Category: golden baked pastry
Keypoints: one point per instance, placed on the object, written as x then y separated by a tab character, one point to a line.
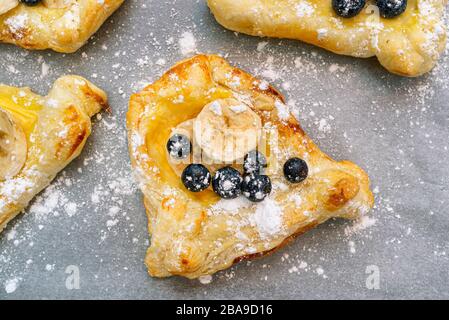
198	233
39	136
409	44
60	25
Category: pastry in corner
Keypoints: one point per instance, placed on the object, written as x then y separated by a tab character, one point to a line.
226	171
60	25
407	36
40	136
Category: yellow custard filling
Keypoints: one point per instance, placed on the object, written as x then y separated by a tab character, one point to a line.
23	106
169	115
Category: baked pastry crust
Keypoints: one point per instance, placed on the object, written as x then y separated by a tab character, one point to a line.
409	45
195	234
60	29
56	126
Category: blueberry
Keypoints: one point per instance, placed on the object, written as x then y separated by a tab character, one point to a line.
391	8
296	170
31	2
179	146
256	187
254	162
348	8
227	183
196	177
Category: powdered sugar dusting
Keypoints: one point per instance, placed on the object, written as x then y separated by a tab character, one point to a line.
11	285
230	206
187	43
267	218
304	9
363	223
205	279
17	24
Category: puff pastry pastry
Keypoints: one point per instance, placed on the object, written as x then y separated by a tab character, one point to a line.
39	136
196	234
408	45
60	25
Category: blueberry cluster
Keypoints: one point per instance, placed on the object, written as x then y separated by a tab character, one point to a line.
227	182
387	8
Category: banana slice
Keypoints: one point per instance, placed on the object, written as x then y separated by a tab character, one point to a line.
13	147
56	4
226	130
7	5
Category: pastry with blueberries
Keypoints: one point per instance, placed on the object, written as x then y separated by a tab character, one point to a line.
407	36
61	25
226	171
